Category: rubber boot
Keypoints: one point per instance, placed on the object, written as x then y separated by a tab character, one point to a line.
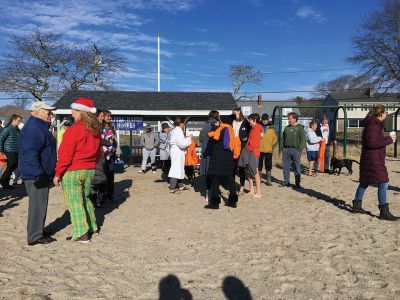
385	213
268	178
357	209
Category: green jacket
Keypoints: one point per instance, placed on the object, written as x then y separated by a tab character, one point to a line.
294	137
9	139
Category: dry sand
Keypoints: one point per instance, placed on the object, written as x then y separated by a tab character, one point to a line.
287	245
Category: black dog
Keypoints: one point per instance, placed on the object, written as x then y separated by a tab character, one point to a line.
338	164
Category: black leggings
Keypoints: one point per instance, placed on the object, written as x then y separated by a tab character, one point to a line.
166	165
267	158
12	164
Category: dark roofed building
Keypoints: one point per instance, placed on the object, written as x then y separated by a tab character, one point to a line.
151	103
153	108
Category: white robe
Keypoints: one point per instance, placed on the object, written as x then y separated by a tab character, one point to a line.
179	144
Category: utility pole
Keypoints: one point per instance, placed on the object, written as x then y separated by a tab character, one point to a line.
96	63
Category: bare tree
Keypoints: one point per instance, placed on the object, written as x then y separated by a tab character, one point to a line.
42	65
32	66
342	83
87	67
241	75
377	46
314	112
21	103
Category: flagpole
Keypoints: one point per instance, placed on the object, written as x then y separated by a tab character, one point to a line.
158	56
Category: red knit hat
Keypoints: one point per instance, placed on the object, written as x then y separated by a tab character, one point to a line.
84	104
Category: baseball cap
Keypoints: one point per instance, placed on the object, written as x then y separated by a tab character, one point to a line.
37	105
264	117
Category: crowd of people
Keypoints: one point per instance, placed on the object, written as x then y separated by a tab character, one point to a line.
231	145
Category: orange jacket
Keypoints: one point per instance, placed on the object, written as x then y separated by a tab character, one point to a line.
321	156
191	158
254	141
234	141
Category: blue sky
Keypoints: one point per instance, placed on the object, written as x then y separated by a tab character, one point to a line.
205	37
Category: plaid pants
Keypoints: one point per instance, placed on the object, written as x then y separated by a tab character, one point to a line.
76	186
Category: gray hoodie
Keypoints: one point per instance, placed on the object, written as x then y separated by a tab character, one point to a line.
150	140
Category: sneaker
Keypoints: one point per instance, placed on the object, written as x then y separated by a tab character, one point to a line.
84	239
284	185
175	191
141	171
154	172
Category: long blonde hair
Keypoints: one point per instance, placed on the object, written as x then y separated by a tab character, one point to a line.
91	123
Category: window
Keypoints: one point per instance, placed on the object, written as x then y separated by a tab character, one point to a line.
353	123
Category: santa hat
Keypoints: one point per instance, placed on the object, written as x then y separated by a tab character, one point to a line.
84	104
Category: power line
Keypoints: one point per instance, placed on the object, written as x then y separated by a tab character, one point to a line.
306	91
265	73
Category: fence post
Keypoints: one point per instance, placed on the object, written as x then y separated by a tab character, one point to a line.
395	129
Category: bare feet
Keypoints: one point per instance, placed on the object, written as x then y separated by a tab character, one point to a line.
241	191
257	195
250	193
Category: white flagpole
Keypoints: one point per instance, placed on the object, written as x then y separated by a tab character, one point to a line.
158	54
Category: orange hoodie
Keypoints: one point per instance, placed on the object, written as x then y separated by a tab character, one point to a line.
191	158
253	143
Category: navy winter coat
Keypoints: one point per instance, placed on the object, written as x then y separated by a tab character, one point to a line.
222	162
37	150
372	163
205	153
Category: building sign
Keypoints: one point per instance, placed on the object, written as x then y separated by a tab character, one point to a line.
246	110
127	123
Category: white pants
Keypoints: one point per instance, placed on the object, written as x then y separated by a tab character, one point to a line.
146	154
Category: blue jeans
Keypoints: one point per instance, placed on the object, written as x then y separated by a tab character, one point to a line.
382	189
289	156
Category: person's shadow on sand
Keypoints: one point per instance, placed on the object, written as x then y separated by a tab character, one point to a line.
9	198
170	289
121	194
234	289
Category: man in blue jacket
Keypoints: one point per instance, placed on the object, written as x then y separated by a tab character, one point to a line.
37	161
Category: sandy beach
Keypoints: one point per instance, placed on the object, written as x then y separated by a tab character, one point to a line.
290	244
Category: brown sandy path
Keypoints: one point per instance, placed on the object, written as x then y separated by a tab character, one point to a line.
286	245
